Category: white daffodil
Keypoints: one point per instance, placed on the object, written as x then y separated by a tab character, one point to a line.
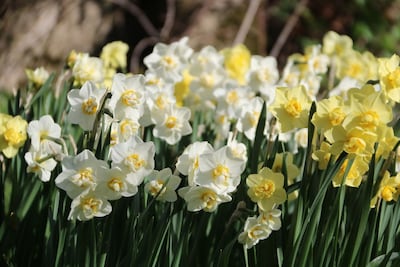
88	205
162	184
37	76
42	133
236	149
157	103
134	157
80	173
113	184
188	161
219	171
87	69
127	96
170	59
232	97
40	164
263	76
271	218
124	129
172	124
249	116
202	198
206	67
254	231
84	105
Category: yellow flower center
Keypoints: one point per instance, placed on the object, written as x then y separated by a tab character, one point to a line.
89	107
354	69
160	102
156	186
265	189
84	177
14	136
393	79
90	205
130	98
128	127
207	81
221	174
135	162
355	145
293	107
232	97
336	116
171	122
255	232
115	184
209	198
169	62
369	119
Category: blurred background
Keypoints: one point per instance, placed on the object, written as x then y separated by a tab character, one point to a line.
36	33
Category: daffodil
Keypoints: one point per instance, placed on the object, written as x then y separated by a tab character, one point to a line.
134	157
263	75
128	96
12	134
80	173
172	123
86	69
202	198
85	104
219	171
162	185
114	54
389	189
253	232
88	205
171	59
43	134
266	188
389	77
354	174
188	161
249	116
291	107
37	76
40	164
114	184
237	62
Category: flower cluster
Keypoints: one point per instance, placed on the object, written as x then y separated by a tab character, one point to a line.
341	96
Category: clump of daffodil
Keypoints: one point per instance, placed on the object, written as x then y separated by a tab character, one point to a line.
389	189
12	134
237	62
266	188
291	107
37	76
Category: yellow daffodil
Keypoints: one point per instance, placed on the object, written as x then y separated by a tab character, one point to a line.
389	189
389	77
237	62
266	188
354	175
114	54
12	134
291	107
